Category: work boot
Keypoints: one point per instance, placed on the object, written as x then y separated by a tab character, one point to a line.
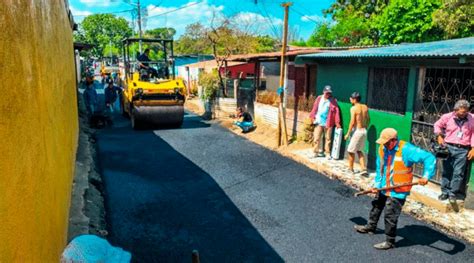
384	245
443	197
452	200
320	155
364	173
363	229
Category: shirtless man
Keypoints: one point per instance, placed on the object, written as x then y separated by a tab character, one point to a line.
359	120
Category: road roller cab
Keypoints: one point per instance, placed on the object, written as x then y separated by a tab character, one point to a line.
152	94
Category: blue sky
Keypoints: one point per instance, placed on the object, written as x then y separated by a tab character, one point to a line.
265	17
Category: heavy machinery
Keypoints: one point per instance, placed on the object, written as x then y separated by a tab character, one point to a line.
152	98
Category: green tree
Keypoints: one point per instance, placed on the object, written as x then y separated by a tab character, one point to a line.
222	40
456	18
353	22
266	44
367	7
408	21
111	50
322	36
102	29
210	84
193	41
161	32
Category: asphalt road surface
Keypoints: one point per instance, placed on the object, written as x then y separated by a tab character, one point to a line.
171	191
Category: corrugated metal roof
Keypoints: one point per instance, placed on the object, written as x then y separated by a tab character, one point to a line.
293	51
209	64
437	49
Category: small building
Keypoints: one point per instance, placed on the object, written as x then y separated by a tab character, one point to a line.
190	72
183	60
267	70
406	86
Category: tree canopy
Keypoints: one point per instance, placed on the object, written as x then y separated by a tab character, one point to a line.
455	18
408	21
225	38
161	32
369	22
101	30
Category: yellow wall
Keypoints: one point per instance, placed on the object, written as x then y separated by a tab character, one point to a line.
38	129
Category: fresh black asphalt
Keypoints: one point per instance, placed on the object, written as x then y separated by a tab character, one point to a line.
171	191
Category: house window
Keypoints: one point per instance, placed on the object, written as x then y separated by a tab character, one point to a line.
388	89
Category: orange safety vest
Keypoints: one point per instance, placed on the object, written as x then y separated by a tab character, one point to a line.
398	173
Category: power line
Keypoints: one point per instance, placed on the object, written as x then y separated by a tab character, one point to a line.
275	29
177	9
306	16
269	21
116	12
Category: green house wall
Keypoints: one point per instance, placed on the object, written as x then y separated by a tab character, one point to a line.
347	77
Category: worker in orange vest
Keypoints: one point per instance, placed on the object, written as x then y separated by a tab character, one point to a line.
395	162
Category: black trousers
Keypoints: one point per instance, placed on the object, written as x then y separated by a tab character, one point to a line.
453	182
393	208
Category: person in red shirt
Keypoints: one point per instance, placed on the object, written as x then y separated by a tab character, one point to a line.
455	131
325	115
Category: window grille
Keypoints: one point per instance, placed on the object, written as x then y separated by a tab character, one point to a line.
388	89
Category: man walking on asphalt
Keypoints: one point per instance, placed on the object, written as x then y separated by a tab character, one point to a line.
455	130
359	120
325	115
395	162
111	93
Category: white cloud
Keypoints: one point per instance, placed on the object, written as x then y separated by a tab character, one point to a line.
76	12
256	23
104	3
206	13
202	12
249	18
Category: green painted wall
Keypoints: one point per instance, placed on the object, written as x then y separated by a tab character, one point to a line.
345	79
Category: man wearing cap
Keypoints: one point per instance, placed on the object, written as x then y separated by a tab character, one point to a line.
395	162
455	130
359	122
325	115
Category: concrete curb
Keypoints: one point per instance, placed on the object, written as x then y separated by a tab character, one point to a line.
87	210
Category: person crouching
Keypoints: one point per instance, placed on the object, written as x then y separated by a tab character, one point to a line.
244	120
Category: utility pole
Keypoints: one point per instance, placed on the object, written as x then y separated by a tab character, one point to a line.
281	109
139	15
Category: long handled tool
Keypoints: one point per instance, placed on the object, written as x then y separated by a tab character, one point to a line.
384	188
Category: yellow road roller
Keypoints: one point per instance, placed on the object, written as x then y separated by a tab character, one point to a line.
152	94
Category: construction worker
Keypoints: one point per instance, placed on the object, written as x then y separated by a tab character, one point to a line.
395	162
143	62
111	93
244	120
90	95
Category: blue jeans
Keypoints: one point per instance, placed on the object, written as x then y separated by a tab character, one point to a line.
454	172
244	125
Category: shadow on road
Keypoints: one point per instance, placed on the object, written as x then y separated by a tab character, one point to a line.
161	206
418	235
425	236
